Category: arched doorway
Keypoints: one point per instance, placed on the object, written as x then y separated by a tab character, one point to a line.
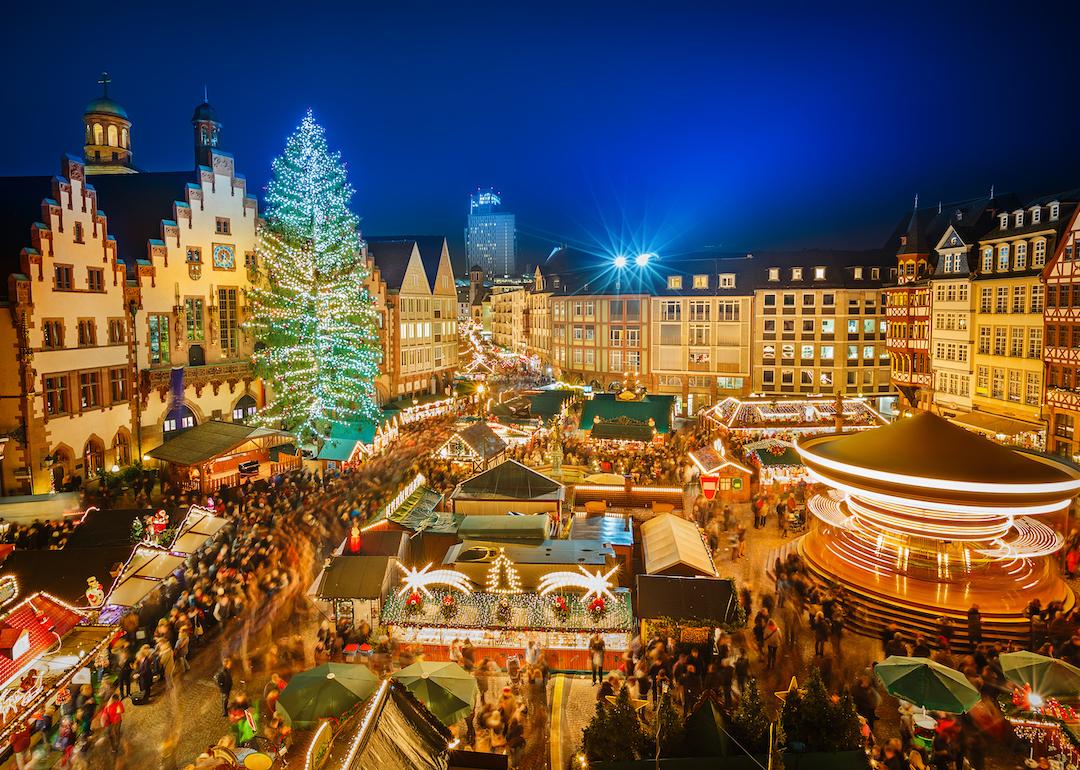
93	457
63	464
196	356
179	419
245	409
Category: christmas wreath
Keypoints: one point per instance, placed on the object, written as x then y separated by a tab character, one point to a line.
560	606
414	603
597	606
449	605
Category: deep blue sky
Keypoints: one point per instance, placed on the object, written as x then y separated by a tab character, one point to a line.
679	125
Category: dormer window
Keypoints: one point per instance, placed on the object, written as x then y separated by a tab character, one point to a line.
1036	215
1055	211
727	280
701	281
875	273
819	274
674	282
988	259
774	274
1004	221
796	273
1003	258
858	273
903	240
1018	218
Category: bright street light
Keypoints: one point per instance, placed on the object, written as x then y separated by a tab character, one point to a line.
620	262
643	259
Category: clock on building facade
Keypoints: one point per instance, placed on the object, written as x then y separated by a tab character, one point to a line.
224	256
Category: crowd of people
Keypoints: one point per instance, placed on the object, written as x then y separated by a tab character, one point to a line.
51	534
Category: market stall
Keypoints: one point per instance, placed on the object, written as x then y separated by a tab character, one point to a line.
509	486
777	461
674	546
721	477
474	446
349	444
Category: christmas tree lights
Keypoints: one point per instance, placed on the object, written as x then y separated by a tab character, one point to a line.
503	577
320	351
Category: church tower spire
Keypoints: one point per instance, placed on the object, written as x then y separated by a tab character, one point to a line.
207	131
107	146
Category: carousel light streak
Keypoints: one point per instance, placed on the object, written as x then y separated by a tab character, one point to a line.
418	580
593	584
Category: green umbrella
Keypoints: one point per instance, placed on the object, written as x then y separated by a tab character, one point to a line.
927	684
1048	677
328	690
447	689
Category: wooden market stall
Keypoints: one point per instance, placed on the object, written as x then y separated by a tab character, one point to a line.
627	416
475	446
686	608
348	445
721	478
509	486
673	546
208	456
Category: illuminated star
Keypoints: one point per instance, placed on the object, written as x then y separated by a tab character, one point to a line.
793	686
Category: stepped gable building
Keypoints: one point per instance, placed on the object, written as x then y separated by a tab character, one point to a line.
413	280
115	277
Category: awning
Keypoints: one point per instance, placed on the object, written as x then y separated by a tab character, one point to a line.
144	572
197	528
996	425
214	438
674	546
354	577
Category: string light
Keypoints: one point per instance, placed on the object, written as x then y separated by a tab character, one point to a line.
503	577
318	325
418	580
596	584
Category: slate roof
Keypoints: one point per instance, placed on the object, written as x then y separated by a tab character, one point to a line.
392	253
20	207
135	204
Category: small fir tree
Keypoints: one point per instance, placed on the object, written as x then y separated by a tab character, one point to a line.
615	733
750	721
820	721
313	320
668	728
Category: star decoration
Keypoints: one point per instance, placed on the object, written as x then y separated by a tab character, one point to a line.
793	686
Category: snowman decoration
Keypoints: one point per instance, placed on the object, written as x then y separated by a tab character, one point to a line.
95	594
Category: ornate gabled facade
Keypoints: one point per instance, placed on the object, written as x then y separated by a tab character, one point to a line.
69	328
413	281
122	278
1061	337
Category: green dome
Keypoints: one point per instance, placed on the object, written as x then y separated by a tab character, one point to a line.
106	106
204	112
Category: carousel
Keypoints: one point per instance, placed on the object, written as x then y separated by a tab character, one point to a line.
923	519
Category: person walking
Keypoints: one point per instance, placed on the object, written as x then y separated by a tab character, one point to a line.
596	658
224	681
772	643
112	716
974	622
821	633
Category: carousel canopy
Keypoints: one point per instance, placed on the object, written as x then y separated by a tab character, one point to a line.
627	420
931	447
509	480
204	442
674	546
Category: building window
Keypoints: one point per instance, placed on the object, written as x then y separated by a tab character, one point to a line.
789	300
826	352
251	260
671	310
228	321
768	377
988	260
1035	342
95	279
1037	298
63	277
727	280
858	273
770	300
122	448
87	333
616	334
158	338
787	377
78	232
875	273
806	352
796	273
997	384
1003	258
1001	301
1038	258
615	360
1036	215
1019	299
194	255
222	226
1055	210
193	319
1032	389
1016	341
699	334
1004	220
701	281
244	409
56	395
1014	393
674	282
117	384
727	310
774	274
1018	219
1021	256
116	331
699	311
1000	340
52	334
89	389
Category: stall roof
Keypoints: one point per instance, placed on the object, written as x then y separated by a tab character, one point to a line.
509	480
343	439
585	552
674	546
614	530
627	420
480	438
145	571
418	512
686	598
354	577
213	438
42	621
198	527
480	527
395	731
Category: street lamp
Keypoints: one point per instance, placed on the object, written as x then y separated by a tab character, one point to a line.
620	261
642	259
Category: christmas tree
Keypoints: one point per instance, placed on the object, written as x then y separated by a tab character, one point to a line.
668	728
820	721
317	323
750	722
615	733
502	576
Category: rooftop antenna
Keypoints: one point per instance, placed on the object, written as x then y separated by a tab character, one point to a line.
991	192
916	201
205	98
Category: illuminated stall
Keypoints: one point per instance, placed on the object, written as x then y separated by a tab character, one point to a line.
721	477
474	446
762	416
924	519
559	606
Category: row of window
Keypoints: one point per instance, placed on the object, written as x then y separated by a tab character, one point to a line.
88	390
1010	258
827	300
1036	216
1009	385
807	377
951	292
1010	341
951	322
700	281
827	325
821	273
64	278
917	330
827	352
996	300
1063	295
951	351
1067	377
228	313
954	384
53	333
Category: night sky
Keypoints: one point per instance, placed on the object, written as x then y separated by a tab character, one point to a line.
667	125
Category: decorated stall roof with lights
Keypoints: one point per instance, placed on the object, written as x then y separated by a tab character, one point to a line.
476	445
618	418
509	486
801	415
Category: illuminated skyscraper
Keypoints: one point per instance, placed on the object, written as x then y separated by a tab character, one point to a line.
490	238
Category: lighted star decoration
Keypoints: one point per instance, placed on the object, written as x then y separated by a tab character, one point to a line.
637	704
595	584
418	580
793	686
